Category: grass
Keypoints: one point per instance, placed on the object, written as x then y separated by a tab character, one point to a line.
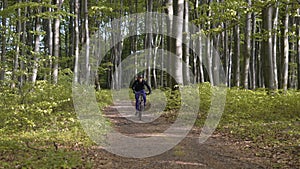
270	122
40	129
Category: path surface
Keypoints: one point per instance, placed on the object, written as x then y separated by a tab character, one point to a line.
216	153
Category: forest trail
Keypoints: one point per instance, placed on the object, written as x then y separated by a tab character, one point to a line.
217	152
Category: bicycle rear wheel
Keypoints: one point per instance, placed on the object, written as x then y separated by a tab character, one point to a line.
141	107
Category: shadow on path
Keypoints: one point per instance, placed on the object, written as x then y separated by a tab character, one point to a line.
216	153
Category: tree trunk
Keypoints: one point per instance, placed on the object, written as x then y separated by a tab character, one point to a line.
71	35
254	54
226	53
215	60
259	68
156	46
148	41
178	32
209	49
285	71
197	44
3	47
267	56
50	43
87	42
247	48
116	54
36	48
229	75
162	79
275	26
21	78
76	24
16	61
292	55
186	39
236	58
298	51
170	13
198	72
56	47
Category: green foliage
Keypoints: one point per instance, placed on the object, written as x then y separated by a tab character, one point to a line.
173	99
35	107
270	122
39	128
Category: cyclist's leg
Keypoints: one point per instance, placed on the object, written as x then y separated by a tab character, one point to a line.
137	94
144	97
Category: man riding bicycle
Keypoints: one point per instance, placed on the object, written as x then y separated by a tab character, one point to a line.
138	88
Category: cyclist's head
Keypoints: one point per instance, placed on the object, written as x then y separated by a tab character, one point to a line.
140	77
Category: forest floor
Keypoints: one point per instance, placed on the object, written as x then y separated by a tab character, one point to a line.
218	152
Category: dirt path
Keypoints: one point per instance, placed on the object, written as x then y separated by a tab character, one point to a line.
217	152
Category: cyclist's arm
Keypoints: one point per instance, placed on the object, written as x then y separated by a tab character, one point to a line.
133	86
149	88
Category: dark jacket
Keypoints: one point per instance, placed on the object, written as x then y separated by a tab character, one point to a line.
138	86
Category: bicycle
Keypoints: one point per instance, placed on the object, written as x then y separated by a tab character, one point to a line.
141	106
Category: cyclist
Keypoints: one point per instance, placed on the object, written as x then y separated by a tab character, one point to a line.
138	88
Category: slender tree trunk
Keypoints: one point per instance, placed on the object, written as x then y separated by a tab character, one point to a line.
275	25
16	61
259	70
178	32
148	41
215	60
36	48
209	49
230	60
226	53
133	33
186	39
254	54
71	34
298	52
136	37
196	43
157	44
120	48
247	47
76	24
21	78
162	79
114	73
87	42
170	13
56	47
267	49
285	51
50	43
198	71
236	58
292	55
209	59
3	46
259	61
116	54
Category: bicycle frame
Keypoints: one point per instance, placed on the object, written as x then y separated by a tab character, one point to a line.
141	106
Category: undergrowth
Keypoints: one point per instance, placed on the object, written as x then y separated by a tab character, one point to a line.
270	122
40	129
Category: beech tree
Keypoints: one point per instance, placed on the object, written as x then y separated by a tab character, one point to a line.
257	41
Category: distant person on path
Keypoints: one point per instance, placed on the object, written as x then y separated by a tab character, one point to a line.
138	88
